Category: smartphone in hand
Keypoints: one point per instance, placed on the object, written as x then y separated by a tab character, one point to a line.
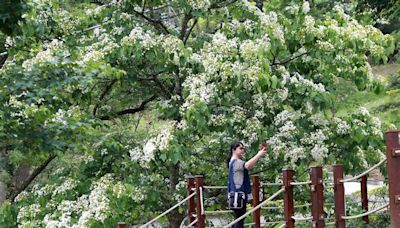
264	146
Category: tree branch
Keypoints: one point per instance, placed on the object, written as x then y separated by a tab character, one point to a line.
218	5
141	107
3	58
34	174
283	62
190	31
105	92
153	77
157	23
184	27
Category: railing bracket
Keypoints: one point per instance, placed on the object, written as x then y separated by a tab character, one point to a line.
396	152
397	199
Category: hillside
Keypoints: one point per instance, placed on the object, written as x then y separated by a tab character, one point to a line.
384	105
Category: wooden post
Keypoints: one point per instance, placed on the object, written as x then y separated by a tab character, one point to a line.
201	217
364	197
121	225
288	198
317	197
393	168
191	205
256	199
338	188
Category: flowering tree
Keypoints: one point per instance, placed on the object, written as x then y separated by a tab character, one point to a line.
213	71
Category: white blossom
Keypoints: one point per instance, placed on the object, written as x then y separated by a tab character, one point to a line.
319	152
342	127
306	7
363	111
200	4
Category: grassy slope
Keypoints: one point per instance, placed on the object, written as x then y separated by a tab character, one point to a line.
386	105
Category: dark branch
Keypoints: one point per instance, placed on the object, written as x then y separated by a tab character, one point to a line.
184	27
143	6
283	62
273	56
157	23
141	107
105	92
34	174
3	58
190	31
158	82
218	5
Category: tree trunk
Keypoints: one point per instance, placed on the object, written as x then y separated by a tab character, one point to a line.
174	217
18	178
2	193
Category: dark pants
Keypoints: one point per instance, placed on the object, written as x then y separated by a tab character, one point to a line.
238	213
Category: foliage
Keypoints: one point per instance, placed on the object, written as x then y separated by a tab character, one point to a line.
211	71
393	81
10	15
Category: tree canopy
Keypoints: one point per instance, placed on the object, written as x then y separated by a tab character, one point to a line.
79	76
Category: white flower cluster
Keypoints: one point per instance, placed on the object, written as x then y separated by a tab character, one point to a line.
306	7
247	26
339	9
318	121
283	117
93	12
14	102
26	213
297	80
146	38
283	93
362	157
69	213
136	154
238	114
309	22
105	45
50	55
374	124
295	153
62	116
325	45
149	149
363	111
138	194
259	100
67	21
9	42
251	76
217	120
297	145
319	152
119	189
281	141
250	48
68	184
200	4
43	191
366	37
342	127
219	49
200	90
250	132
172	45
160	142
292	8
268	20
